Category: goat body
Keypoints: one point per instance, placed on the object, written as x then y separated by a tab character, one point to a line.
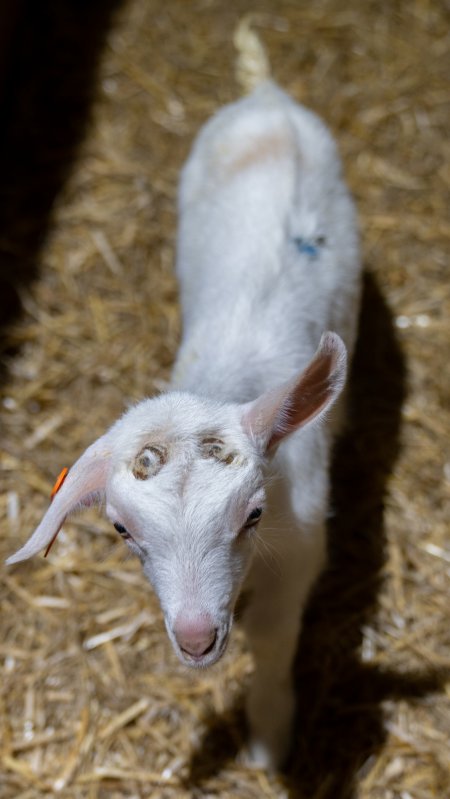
267	260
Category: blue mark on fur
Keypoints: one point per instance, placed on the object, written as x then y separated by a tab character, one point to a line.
309	247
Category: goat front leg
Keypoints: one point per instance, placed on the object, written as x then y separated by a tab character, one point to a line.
272	622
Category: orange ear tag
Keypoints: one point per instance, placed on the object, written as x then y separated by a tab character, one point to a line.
59	481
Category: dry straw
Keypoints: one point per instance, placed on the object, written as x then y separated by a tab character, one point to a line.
93	702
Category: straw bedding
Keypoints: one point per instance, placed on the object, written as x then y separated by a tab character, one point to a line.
101	104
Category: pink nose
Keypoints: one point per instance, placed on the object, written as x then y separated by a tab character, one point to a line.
195	634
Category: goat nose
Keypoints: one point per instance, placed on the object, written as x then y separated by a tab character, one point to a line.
195	634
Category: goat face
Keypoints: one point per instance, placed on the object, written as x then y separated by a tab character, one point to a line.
186	493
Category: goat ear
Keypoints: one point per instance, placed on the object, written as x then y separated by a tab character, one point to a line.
83	485
279	412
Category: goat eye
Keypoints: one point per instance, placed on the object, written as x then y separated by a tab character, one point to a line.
122	531
253	518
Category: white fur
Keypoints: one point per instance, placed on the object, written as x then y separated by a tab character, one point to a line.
263	177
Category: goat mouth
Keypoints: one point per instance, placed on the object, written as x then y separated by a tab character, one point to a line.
208	657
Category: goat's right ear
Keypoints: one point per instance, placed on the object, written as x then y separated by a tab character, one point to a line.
84	484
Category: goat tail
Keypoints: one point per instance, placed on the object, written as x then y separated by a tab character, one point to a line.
252	64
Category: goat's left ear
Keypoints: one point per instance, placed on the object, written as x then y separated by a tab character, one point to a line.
84	484
279	412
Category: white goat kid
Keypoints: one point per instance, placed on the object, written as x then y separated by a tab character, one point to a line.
267	260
